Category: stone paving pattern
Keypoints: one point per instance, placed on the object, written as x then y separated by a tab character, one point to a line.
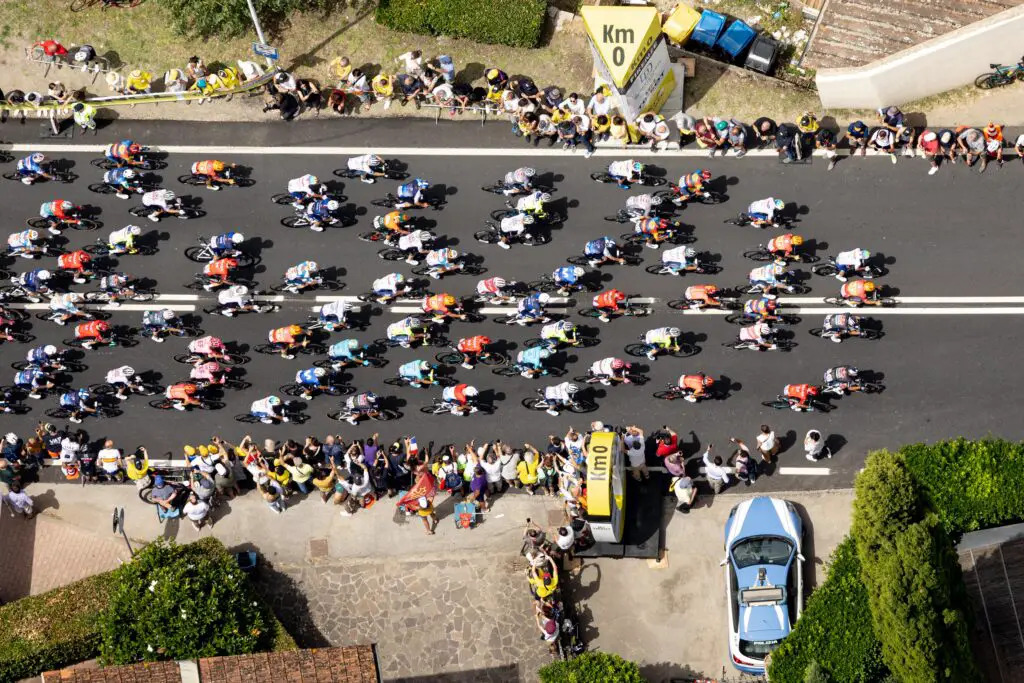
460	619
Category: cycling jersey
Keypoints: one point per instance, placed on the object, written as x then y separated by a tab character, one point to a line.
113	283
205	371
763	209
455	395
300	186
513	225
533	358
767	274
621	169
229	297
224	242
838	375
693	382
31	377
155	319
411	370
56	209
361	164
31	280
119	151
558	393
386	285
517	177
692	182
700	293
658	337
220	268
565	275
758	308
70	400
334	309
641	203
206	346
435	304
679	257
781	244
400	329
123	236
307	377
392	221
344	349
63	302
754	333
39	356
20	240
472	344
410	192
119	375
531	306
438	258
76	260
410	242
609	299
317	210
803	392
117	176
558	330
840	322
595	247
281	335
207	168
262	407
361	403
29	165
603	367
93	329
854	290
157	199
531	203
299	272
853	259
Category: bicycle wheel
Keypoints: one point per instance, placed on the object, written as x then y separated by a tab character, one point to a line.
759	255
636	350
821	406
797	289
498	214
669	395
620	217
989	81
189	179
580	405
385	415
602	178
248	418
741	220
295	222
22	337
58	413
283	198
506	371
637	312
658	269
590	313
292	390
498	188
85	224
870	335
887	302
391	254
268	349
784	344
651	181
102	188
685	351
449	357
493	358
146	495
387	202
825	269
145	389
434	409
835	300
161	403
97	249
778	404
534	403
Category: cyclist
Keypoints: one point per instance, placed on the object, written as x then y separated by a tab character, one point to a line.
44	358
800	395
116	286
361	405
26	243
411	194
182	395
531	308
34	381
311	380
762	212
850	262
702	296
210	372
346	352
210	170
92	333
493	290
471	348
442	307
321	212
368	166
768	278
661	339
235	299
123	180
63	307
762	309
567	278
33	281
532	204
269	410
57	212
418	373
415	244
607	303
160	203
76	263
557	333
79	403
654	230
208	348
641	205
226	244
842	378
559	397
530	362
518	181
302	275
679	259
858	292
692	184
512	226
218	272
602	250
124	380
442	261
625	172
389	287
783	247
156	323
610	370
123	241
332	315
406	332
759	334
304	189
287	340
394	223
31	168
124	153
694	387
839	325
460	399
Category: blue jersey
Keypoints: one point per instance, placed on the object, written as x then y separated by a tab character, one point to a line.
410	370
32	281
533	358
530	304
224	241
27	377
318	209
408	190
70	399
116	177
346	348
565	275
37	355
595	247
28	164
308	377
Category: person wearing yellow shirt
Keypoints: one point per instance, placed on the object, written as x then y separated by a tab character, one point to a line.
138	468
384	88
205	86
227	80
138	82
341	67
527	469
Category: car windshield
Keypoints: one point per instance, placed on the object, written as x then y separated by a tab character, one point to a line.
757	649
761	550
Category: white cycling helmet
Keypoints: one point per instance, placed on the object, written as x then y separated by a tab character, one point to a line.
399	278
375	160
655	200
11	437
49	349
239	290
333	205
128	371
690	252
571	389
471	392
167	314
313	180
579	271
319	372
74	297
545	352
527	220
43	275
762	329
38	157
452	254
779	204
499	282
32	235
544	197
129	173
312	265
170	195
530	172
543	297
424	236
274	400
674	332
66	205
237	238
134	230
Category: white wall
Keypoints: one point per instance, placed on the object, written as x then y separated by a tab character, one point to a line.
940	64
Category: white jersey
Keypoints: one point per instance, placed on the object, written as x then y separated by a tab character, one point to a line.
753	333
19	239
530	202
764	206
228	296
675	255
400	329
558	393
513	225
303	184
517	176
657	336
853	258
156	198
361	164
63	302
261	406
602	367
410	242
438	257
299	272
118	375
641	202
621	169
388	283
768	273
335	308
121	236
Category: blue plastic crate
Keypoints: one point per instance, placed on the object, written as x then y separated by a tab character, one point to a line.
736	39
708	28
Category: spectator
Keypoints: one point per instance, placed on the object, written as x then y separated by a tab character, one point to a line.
444	96
447	68
746	467
195	68
509	465
764	130
384	88
619	131
301	473
175	81
7	477
548	474
84	57
324	481
492	470
431	78
138	82
356	488
525	88
716	475
205	88
652	129
273	495
599	104
737	139
336	102
668	442
1018	147
478	487
21	503
85	117
285	102
197	510
341	68
203	486
892	118
527	469
333	451
993	144
111	461
551	99
399	467
548	625
426	513
34	451
496	79
57	92
13	449
448	476
412	62
166	498
583	136
224	477
633	441
411	88
573	105
674	464
685	492
312	450
767	444
115	82
930	149
814	446
883	140
308	93
285	82
359	86
71	447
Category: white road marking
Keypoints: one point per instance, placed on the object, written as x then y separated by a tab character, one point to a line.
919	299
186	308
335	297
176	297
790	471
869	311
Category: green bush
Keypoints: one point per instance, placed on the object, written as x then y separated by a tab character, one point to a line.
592	667
971	484
505	22
835	629
815	674
182	602
919	605
205	18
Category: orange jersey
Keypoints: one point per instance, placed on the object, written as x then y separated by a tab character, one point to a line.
782	243
221	267
435	303
181	391
392	221
800	391
207	168
93	329
694	382
76	260
473	344
460	393
609	299
854	288
281	335
700	292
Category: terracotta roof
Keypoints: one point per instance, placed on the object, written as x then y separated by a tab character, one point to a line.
355	664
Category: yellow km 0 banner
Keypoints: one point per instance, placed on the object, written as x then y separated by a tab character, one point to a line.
622	37
600	460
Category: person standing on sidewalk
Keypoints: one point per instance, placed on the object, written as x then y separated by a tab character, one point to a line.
633	441
814	446
20	502
717	476
746	467
767	444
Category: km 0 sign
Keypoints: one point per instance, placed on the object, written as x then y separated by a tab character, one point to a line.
622	37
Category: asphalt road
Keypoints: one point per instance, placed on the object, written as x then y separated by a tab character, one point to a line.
947	373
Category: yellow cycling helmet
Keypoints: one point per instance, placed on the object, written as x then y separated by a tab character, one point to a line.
869	286
449	300
797	240
294	330
189	450
218	165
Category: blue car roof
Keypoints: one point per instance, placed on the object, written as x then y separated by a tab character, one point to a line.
762	516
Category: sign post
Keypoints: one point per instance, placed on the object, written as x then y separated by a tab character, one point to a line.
631	55
606	491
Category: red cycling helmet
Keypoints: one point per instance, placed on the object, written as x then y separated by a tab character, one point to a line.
705	173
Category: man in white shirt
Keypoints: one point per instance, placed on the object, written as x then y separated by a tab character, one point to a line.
767	444
814	446
574	105
412	62
110	460
717	476
633	442
20	502
599	105
197	511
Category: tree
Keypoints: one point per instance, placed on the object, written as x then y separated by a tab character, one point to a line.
205	18
182	602
592	667
815	674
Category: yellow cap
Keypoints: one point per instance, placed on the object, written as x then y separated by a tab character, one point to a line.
189	450
214	448
203	450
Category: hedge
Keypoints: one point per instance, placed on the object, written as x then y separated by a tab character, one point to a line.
505	22
835	629
971	484
592	667
57	629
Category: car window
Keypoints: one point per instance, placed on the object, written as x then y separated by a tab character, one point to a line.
761	550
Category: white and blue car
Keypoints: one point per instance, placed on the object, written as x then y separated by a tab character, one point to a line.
763	578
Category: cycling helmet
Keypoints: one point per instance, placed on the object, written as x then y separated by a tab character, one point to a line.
485	340
375	160
66	205
167	314
449	300
237	238
134	230
451	254
499	282
319	372
424	236
313	180
705	173
770	304
128	371
11	437
471	392
655	201
762	329
564	325
50	349
690	252
169	195
865	254
637	166
674	332
543	298
312	265
421	183
84	392
274	400
779	205
134	148
404	218
797	240
424	366
399	278
530	172
294	330
38	157
75	297
527	220
869	286
32	235
618	364
333	205
571	389
129	174
239	290
545	353
43	275
544	197
578	271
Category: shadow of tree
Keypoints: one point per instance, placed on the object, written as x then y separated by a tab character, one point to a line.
286	596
